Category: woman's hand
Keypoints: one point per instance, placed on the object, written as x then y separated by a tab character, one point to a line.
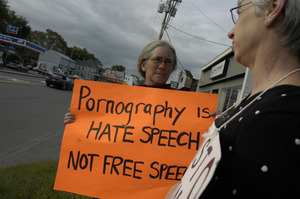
214	114
69	117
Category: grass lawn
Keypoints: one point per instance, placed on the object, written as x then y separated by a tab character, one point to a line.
32	181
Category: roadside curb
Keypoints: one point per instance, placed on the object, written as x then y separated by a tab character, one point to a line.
21	73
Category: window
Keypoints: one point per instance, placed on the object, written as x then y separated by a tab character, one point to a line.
228	98
181	80
215	91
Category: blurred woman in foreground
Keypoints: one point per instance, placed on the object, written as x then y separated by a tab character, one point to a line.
260	141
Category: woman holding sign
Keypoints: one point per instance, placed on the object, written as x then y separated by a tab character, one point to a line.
156	62
260	141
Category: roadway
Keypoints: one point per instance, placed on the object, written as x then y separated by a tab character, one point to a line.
31	118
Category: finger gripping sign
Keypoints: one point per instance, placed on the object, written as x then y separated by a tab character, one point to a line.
130	142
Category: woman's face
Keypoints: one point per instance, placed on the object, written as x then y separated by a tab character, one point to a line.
246	35
158	67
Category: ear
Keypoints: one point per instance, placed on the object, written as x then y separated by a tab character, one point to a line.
143	67
274	11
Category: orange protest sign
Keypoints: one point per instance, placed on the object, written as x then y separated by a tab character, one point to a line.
130	142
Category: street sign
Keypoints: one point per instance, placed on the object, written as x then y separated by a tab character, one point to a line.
5	38
18	41
22	42
35	47
12	29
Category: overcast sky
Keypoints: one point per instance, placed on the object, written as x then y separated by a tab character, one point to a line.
116	31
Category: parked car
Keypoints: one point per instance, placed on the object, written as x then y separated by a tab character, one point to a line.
30	67
60	81
43	71
17	66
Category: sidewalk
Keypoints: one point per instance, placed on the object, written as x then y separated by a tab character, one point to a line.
30	73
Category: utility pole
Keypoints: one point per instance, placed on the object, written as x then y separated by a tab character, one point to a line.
169	7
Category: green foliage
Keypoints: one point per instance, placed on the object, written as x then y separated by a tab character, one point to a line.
4	17
29	54
34	181
9	17
118	68
21	23
12	58
49	40
77	53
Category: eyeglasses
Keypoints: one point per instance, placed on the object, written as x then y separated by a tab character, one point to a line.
159	60
235	16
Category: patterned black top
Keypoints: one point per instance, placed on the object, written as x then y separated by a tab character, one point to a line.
261	149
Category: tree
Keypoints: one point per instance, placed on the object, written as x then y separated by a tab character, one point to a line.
4	17
21	22
77	53
118	68
50	40
12	58
9	17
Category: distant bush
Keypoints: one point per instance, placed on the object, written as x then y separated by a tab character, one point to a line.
12	58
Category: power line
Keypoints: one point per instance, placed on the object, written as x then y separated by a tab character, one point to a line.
208	17
154	25
177	56
198	37
167	18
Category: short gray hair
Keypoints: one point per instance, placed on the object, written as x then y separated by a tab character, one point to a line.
289	28
147	53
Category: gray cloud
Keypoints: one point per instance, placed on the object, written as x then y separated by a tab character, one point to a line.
117	30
